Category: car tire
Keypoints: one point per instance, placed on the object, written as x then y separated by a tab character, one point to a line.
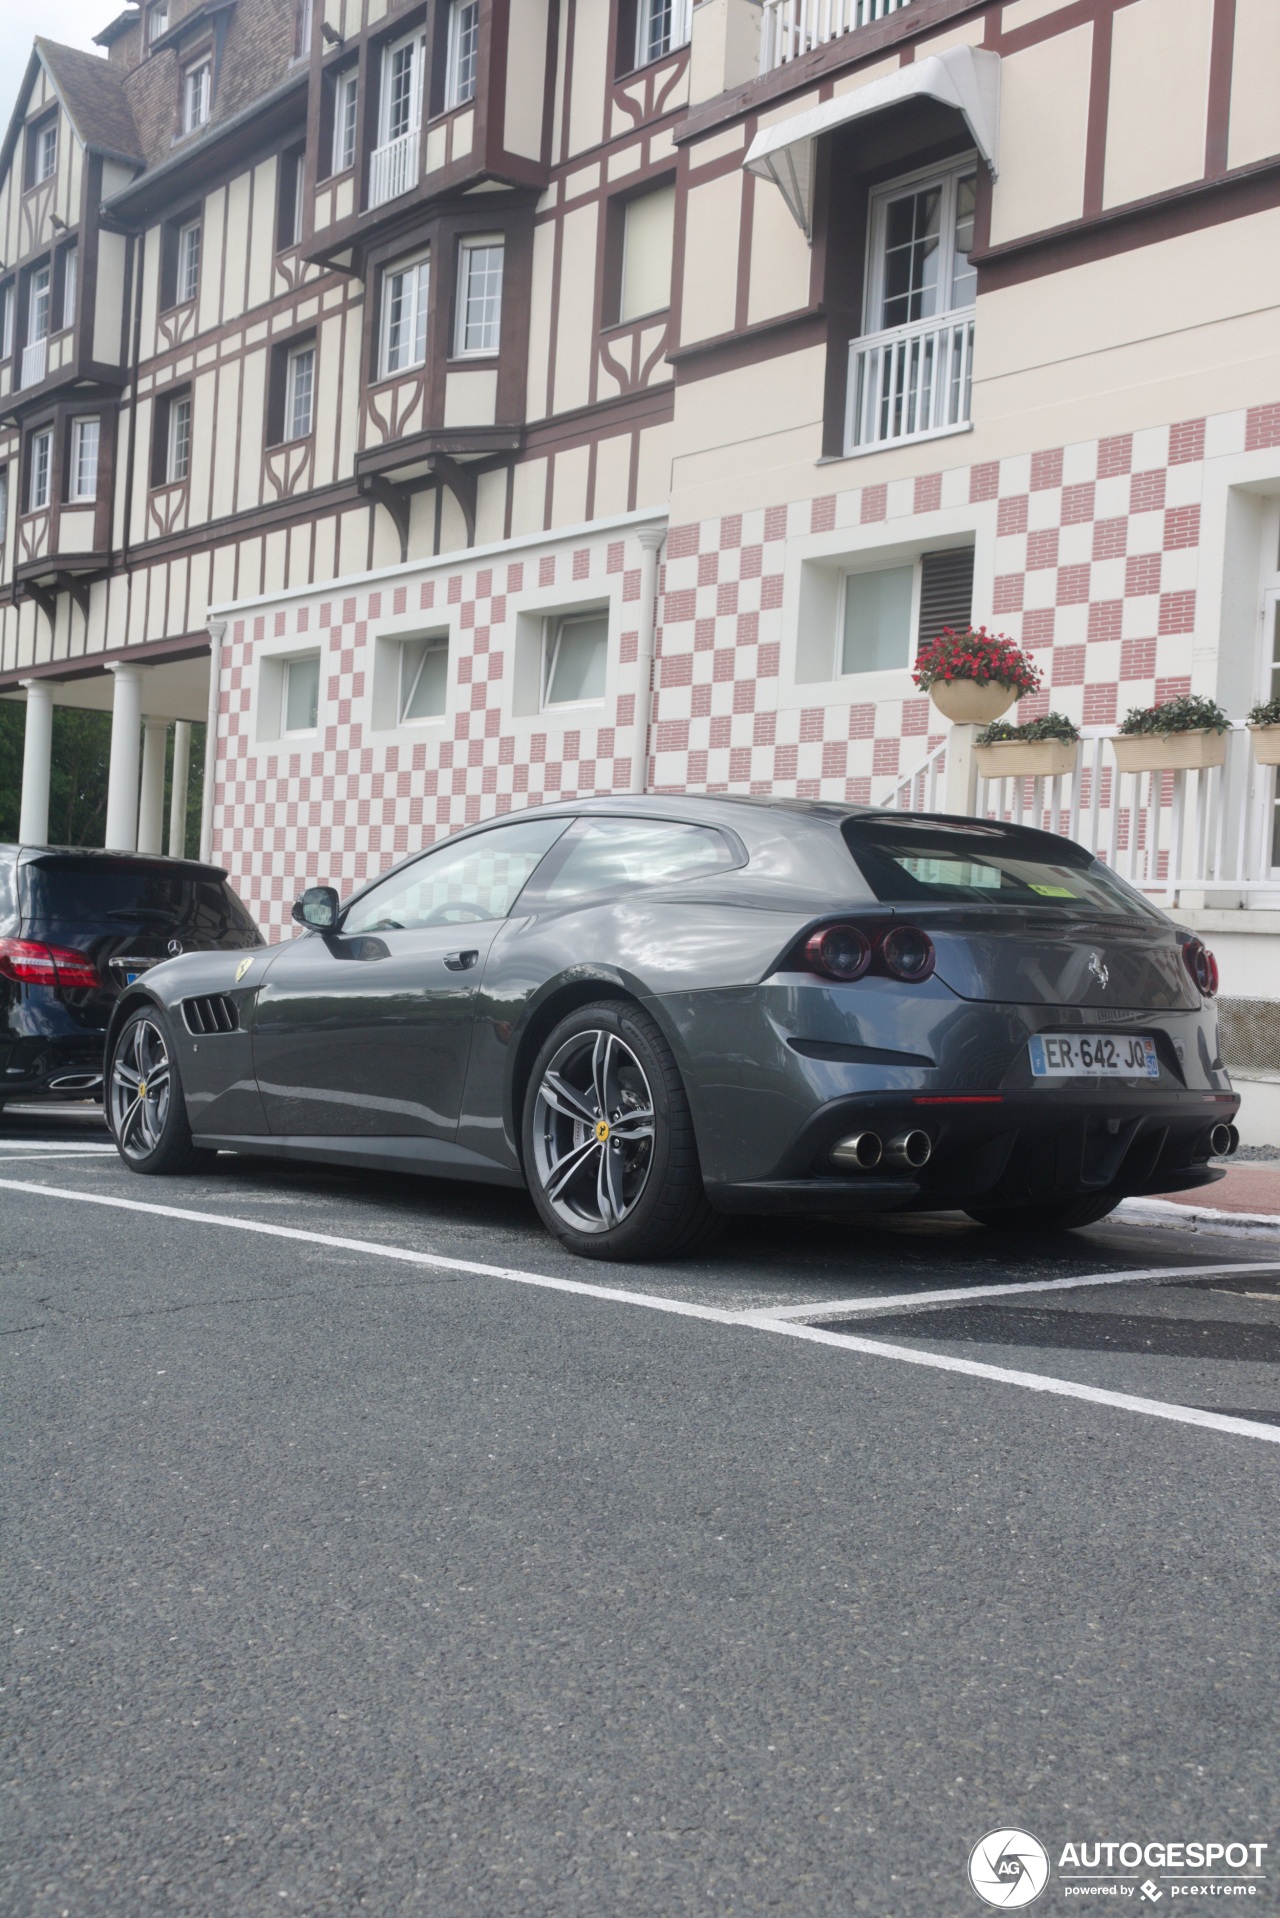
1066	1215
634	1191
145	1106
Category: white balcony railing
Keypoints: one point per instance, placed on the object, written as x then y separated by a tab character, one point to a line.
789	28
393	168
910	382
1183	838
35	359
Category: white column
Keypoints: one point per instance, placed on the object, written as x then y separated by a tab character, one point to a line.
217	627
155	742
37	758
651	538
181	786
122	775
960	781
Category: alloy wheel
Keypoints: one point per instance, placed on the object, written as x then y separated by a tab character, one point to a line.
593	1131
140	1090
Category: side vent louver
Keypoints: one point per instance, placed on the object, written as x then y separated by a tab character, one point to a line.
214	1013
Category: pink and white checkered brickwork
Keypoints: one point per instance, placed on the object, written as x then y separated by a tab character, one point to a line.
1096	570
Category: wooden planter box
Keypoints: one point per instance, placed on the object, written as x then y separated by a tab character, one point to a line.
966	703
1266	745
1026	758
1168	752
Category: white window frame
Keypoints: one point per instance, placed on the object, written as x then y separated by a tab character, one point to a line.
177	449
46	153
41	477
467	249
416	42
404	694
157	20
39	302
70	275
642	313
8	302
678	29
463	56
300	356
306	27
346	107
197	94
419	265
289	666
553	626
86	442
948	178
878	563
190	241
4	506
292	234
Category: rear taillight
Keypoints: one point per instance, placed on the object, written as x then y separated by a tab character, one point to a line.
33	964
839	952
846	952
1202	966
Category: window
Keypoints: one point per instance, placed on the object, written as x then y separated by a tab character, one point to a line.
921	238
661	27
299	391
404	316
479	324
478	878
575	653
46	152
976	864
6	320
84	459
345	99
70	274
616	855
301	694
306	10
188	280
157	21
41	464
197	87
38	308
401	105
289	206
424	678
4	504
877	620
177	439
647	240
464	43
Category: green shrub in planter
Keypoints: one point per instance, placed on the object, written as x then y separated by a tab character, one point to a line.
1051	726
1190	714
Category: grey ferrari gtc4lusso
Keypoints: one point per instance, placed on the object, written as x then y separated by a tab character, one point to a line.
656	1011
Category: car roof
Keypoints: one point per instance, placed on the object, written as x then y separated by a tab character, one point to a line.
99	856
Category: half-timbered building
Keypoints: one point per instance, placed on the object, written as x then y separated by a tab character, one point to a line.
475	403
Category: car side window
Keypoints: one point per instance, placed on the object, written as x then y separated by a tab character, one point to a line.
478	878
616	855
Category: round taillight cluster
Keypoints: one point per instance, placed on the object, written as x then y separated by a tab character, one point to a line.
1202	966
846	953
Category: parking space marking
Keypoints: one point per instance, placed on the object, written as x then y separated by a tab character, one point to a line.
680	1308
903	1301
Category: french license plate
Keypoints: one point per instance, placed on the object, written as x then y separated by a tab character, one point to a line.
1092	1055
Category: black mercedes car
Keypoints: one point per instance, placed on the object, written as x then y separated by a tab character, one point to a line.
655	1011
78	928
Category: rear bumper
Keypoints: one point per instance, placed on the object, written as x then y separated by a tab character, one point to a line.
54	1067
1008	1149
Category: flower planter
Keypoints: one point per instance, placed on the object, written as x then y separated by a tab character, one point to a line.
1168	752
1266	745
1026	758
966	702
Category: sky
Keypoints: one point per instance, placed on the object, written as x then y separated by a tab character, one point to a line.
73	22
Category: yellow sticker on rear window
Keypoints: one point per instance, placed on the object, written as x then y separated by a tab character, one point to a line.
1054	892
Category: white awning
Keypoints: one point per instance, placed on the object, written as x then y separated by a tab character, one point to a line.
966	78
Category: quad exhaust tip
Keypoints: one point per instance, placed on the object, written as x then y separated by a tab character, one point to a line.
864	1151
1223	1141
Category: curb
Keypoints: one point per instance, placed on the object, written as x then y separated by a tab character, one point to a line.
1199	1218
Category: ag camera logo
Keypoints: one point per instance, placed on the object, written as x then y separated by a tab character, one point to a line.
1008	1868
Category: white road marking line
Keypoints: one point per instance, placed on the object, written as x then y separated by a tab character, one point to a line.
679	1308
846	1308
38	1158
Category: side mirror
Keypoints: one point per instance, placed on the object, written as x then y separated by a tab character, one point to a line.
318	908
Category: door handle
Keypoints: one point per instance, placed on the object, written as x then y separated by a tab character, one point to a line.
461	961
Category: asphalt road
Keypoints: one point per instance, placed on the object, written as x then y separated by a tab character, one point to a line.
340	1581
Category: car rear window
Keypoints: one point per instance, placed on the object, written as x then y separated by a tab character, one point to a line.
76	892
614	855
913	865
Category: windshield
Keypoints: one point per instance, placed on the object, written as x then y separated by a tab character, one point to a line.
984	866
